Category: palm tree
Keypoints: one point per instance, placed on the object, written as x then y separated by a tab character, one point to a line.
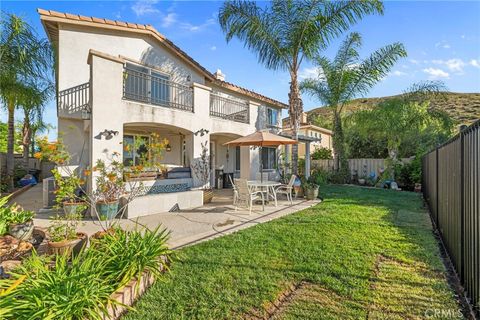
347	77
289	32
32	104
25	61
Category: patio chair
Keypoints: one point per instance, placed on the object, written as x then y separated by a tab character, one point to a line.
247	196
235	190
287	189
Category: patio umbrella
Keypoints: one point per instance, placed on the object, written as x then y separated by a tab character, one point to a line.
261	139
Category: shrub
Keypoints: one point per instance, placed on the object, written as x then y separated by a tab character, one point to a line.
132	253
322	153
319	176
71	289
55	287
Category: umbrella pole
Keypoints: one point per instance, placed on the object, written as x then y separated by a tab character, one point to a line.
261	165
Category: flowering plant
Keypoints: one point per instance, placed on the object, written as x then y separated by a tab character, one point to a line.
68	185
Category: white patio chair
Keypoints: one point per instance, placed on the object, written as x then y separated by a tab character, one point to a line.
247	196
287	189
235	190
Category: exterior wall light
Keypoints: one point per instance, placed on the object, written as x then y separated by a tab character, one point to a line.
202	132
168	147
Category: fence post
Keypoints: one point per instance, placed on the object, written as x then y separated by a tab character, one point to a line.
462	206
436	189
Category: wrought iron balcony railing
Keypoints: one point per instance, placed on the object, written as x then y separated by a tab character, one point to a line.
74	101
227	108
156	89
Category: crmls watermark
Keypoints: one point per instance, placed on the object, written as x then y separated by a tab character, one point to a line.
443	314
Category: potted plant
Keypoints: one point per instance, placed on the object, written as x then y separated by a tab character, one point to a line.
311	189
110	187
201	169
68	184
63	235
21	223
66	193
362	180
150	151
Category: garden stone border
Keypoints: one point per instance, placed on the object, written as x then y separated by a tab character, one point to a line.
129	294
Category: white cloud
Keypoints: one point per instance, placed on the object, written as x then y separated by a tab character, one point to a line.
143	7
308	73
475	63
169	19
414	61
463	36
213	48
436	73
196	28
454	65
442	44
398	73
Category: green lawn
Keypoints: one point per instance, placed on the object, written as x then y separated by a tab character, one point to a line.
361	253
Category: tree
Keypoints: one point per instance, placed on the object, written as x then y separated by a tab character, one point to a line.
25	62
32	106
408	124
288	32
347	77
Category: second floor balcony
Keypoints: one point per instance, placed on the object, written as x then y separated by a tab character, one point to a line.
230	109
148	86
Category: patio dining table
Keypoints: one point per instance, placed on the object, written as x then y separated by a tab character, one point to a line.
266	186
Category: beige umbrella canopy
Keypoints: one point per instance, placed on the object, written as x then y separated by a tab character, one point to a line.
261	139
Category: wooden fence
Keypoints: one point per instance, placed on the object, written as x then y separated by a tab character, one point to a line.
361	167
452	190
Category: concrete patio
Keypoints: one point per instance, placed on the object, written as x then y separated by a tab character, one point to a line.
187	227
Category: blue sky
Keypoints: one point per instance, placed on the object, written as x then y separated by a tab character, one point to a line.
442	39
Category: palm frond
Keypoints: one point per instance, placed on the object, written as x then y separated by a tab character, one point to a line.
374	68
253	26
425	90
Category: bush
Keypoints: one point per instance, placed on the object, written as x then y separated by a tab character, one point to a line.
132	253
319	176
75	289
56	287
322	153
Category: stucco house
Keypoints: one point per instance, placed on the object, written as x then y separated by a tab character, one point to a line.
322	136
119	81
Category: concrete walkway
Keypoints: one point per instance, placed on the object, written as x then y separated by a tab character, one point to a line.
187	226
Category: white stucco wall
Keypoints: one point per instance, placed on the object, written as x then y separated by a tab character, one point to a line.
76	41
111	112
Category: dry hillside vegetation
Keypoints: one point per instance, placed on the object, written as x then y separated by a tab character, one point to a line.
464	108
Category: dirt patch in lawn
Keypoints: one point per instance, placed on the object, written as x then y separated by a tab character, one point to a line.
401	290
306	301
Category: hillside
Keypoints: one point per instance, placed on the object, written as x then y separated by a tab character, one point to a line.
464	108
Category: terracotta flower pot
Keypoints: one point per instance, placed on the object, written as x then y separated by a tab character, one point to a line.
21	231
68	246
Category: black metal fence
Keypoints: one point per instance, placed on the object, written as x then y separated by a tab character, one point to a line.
230	109
452	190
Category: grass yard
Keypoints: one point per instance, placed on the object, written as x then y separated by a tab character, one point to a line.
362	253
